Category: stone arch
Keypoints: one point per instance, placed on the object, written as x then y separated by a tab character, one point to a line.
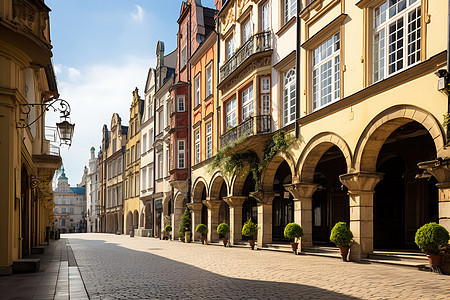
385	123
216	184
197	189
268	174
314	150
238	180
129	221
179	200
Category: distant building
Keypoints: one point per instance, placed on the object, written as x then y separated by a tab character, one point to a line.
92	195
70	206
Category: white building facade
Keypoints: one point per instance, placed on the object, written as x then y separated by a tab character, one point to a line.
92	195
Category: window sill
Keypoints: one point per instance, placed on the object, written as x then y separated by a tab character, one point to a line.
286	26
209	98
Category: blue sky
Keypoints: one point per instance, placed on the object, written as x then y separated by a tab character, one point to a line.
102	50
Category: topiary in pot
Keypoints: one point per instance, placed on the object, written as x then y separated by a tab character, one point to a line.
223	230
432	239
168	231
185	223
293	232
250	229
342	237
203	230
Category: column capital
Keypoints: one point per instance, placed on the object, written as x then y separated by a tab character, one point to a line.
195	207
235	201
439	168
361	182
263	197
212	204
301	190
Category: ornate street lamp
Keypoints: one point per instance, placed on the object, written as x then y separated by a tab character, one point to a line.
65	128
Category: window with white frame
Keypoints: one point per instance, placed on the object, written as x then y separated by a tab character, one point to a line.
150	110
150	139
138	185
231	117
144	143
209	84
396	37
247	31
181	154
150	177
180	103
247	103
161	121
289	97
144	178
326	75
229	47
183	58
160	166
265	16
265	96
289	9
208	140
197	90
197	146
168	162
168	111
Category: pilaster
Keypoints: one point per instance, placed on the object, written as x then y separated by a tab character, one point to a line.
265	199
360	190
196	217
235	204
213	218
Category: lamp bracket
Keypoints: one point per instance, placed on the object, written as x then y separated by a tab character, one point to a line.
56	104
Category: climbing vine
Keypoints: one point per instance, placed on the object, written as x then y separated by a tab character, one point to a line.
233	163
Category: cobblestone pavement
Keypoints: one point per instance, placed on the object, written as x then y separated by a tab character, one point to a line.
120	267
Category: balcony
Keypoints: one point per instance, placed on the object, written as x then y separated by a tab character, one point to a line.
259	42
252	126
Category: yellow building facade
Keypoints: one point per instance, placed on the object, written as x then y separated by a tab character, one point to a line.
132	203
27	164
364	112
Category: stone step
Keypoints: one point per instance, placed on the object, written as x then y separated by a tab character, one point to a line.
397	262
26	265
38	250
420	258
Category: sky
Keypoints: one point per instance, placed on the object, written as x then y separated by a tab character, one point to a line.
102	51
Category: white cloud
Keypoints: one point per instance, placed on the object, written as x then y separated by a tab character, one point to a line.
139	16
103	89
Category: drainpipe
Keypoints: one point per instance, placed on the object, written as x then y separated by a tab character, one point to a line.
189	129
217	81
297	72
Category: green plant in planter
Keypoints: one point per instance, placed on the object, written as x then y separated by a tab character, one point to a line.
342	237
203	230
432	238
223	229
250	229
185	223
168	228
293	232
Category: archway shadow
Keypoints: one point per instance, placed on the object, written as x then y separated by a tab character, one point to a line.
110	271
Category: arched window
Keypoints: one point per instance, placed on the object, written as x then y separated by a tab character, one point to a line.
289	97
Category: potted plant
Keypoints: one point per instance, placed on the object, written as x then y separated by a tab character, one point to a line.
342	237
203	230
223	230
250	229
293	232
432	239
185	225
168	231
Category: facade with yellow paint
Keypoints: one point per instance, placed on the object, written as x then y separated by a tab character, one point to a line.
132	203
364	111
27	164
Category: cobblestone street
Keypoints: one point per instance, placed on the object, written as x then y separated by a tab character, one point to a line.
120	267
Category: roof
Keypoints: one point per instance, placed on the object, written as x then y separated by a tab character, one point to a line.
63	176
92	148
78	190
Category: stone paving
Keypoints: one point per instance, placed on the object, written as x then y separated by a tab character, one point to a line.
120	267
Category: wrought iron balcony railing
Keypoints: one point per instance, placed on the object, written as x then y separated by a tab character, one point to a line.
252	126
257	43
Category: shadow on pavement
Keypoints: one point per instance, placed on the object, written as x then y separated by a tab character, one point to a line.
113	272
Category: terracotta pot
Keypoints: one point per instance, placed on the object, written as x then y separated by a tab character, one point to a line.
202	238
225	241
294	247
252	244
435	260
344	252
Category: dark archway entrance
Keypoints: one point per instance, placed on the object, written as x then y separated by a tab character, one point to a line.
404	199
283	205
330	202
224	210
249	207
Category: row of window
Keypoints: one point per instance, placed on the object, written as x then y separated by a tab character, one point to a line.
64	210
114	196
115	168
197	86
134	153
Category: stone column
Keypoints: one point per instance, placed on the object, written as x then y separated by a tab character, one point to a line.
360	190
235	203
178	211
265	199
196	218
302	193
213	218
440	169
